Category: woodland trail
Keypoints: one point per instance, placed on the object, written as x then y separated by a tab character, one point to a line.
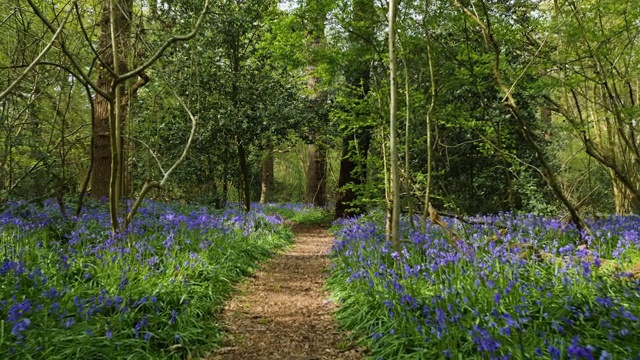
283	312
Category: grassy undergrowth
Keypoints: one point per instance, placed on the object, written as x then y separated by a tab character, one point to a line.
69	289
304	214
515	287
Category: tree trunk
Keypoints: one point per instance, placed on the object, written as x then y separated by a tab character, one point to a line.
101	174
101	171
432	102
625	200
267	178
225	186
352	173
355	145
244	178
393	131
316	177
316	161
407	141
387	191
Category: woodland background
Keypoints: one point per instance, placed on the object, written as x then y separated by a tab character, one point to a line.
502	105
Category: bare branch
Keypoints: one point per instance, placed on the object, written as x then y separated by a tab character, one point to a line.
8	17
88	40
150	185
164	47
151	152
513	107
37	59
68	53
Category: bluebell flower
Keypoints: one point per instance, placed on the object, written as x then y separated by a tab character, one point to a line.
604	301
20	326
604	355
554	352
68	322
174	316
576	351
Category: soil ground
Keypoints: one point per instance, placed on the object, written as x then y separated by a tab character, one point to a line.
282	312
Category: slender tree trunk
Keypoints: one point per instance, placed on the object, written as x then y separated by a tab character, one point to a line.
267	178
245	191
387	190
244	178
225	186
432	86
407	140
393	130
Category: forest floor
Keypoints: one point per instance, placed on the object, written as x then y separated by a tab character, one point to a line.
283	312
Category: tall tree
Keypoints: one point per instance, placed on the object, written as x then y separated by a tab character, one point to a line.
113	50
356	138
267	177
116	89
317	152
393	129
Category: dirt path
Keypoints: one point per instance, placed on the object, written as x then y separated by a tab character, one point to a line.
283	312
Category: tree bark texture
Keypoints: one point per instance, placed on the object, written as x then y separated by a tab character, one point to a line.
244	178
393	131
625	200
267	178
316	175
101	172
315	192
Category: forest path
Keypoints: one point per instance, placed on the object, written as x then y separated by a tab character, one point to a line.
283	312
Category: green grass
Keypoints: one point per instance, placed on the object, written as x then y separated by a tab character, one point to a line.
302	214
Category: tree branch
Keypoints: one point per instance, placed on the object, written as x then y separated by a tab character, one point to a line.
37	59
150	185
164	47
88	40
68	53
512	105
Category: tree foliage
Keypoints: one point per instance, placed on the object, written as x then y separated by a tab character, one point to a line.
246	76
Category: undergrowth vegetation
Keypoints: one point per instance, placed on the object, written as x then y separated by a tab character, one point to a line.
70	289
520	287
306	214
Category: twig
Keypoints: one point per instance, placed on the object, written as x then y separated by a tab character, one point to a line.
149	185
37	59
